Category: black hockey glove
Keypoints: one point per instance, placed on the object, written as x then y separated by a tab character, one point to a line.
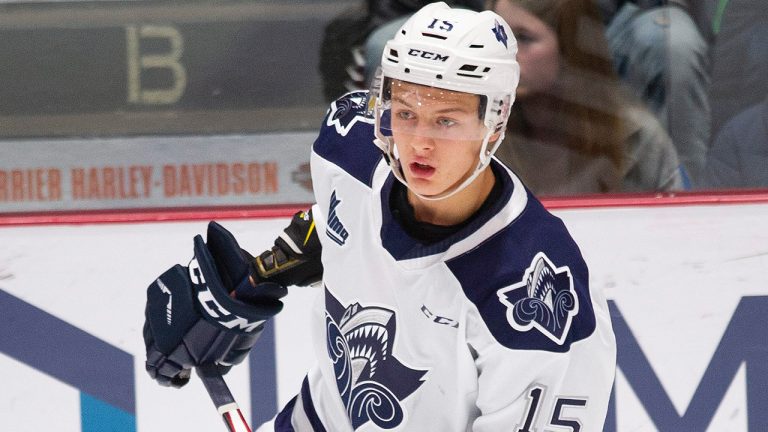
208	313
295	257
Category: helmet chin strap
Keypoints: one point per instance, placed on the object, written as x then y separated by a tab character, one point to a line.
484	161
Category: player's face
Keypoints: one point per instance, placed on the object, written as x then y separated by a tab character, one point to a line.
538	51
438	134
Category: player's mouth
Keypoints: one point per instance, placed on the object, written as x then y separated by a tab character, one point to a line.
421	170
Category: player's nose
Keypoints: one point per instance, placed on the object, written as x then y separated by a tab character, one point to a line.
421	140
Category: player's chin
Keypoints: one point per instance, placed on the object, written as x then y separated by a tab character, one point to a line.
425	187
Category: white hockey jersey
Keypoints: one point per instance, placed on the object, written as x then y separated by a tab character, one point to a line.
494	328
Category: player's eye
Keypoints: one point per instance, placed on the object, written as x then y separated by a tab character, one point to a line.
405	115
446	122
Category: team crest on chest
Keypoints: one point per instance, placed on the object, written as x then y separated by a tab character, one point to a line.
544	300
347	111
371	381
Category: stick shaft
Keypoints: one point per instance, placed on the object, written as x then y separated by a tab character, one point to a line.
222	398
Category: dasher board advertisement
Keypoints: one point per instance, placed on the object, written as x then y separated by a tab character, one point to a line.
155	172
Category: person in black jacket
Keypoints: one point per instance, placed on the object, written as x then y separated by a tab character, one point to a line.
739	154
662	55
354	41
739	59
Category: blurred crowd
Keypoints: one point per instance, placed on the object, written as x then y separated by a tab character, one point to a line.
614	95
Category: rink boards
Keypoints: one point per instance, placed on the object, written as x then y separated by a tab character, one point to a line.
687	287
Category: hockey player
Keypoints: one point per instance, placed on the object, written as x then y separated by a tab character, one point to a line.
452	300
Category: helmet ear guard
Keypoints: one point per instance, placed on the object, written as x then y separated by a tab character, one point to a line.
451	49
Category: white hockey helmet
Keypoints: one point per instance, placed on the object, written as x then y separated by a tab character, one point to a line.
453	49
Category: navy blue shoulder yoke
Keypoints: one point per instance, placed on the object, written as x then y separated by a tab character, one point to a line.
529	283
346	137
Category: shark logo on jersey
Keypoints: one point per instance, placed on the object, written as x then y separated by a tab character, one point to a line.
335	229
371	380
348	110
544	300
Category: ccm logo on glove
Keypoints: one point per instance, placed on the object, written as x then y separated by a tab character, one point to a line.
212	307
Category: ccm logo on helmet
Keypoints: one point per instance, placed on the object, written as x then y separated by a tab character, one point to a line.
427	55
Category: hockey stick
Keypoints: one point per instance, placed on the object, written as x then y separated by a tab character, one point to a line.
222	398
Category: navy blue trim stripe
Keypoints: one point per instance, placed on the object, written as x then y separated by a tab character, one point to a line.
283	420
309	408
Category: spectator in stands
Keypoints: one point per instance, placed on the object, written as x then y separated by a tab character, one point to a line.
739	155
340	64
572	130
660	53
354	41
739	58
644	36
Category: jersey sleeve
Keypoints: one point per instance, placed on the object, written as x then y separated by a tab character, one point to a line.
542	339
526	390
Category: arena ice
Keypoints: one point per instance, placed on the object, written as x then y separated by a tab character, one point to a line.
689	363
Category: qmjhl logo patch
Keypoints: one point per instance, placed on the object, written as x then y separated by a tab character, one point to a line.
335	229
